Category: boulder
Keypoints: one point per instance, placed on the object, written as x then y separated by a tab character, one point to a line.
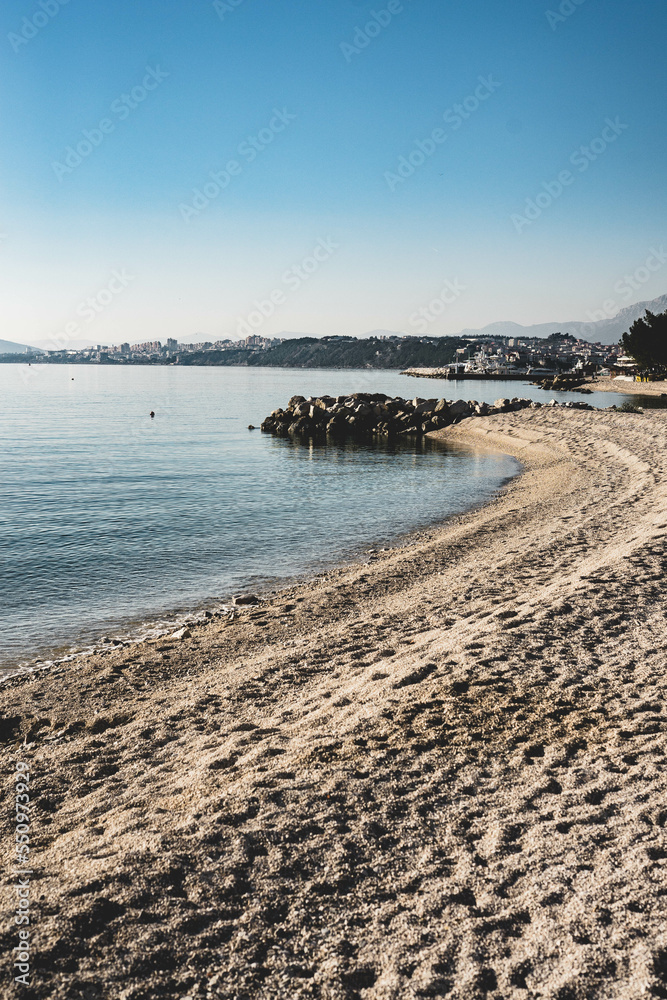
295	400
459	408
440	420
245	599
182	633
428	406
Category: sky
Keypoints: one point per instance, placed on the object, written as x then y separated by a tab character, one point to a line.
208	170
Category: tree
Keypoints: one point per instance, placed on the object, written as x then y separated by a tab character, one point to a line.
646	341
561	336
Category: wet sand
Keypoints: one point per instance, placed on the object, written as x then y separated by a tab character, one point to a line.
438	774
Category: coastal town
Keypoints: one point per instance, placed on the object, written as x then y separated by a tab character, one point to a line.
148	352
480	355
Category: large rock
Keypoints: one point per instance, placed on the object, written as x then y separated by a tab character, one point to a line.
459	408
428	406
439	420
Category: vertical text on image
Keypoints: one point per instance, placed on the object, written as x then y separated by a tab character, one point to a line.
22	872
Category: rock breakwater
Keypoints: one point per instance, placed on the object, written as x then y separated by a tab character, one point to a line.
376	415
564	383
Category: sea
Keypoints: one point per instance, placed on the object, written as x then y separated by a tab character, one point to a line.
113	521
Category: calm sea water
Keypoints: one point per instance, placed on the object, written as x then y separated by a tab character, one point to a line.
110	518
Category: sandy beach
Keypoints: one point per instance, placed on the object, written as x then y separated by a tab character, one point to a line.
606	384
440	773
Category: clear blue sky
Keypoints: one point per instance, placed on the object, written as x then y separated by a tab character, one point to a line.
340	107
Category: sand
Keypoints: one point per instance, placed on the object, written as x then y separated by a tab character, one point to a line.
606	384
440	774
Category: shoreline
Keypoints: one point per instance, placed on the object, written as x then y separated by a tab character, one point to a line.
440	771
607	384
128	635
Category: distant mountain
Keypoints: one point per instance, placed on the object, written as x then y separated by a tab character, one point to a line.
7	347
606	331
57	345
611	330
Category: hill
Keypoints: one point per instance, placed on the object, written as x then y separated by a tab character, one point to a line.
8	347
606	331
54	344
337	352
